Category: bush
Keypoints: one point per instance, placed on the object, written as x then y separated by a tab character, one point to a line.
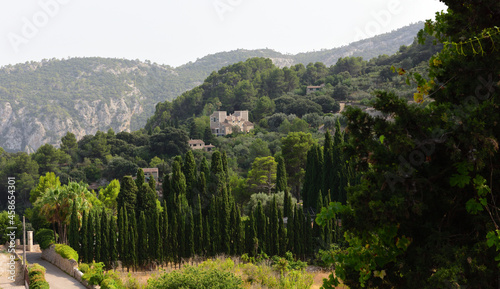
84	268
95	274
45	238
196	277
66	252
39	285
36	269
36	274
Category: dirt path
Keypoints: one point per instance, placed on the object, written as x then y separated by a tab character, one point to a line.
57	278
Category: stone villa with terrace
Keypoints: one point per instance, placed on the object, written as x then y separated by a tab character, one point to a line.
223	124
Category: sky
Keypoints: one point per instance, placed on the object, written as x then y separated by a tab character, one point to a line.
177	32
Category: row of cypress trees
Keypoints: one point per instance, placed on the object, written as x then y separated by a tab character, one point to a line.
198	217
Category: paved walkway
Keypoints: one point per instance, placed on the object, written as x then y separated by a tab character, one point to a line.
57	278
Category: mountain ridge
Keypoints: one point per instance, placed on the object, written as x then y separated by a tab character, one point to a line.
41	101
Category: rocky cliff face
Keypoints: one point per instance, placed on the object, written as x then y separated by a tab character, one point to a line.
24	130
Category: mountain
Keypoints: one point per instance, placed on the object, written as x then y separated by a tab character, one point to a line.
41	101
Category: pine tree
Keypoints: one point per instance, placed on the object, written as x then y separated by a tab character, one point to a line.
105	248
83	239
142	242
73	229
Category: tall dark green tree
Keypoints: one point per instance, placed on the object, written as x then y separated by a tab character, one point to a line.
189	229
261	226
98	235
73	228
113	245
273	232
105	246
128	195
165	235
83	239
90	237
281	180
198	227
329	166
142	242
189	170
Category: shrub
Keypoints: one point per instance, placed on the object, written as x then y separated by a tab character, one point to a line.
39	285
66	252
36	274
95	274
45	238
196	277
84	268
36	269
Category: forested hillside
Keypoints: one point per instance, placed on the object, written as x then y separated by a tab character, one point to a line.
41	101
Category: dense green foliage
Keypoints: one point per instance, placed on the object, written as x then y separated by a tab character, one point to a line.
36	274
66	252
45	238
424	213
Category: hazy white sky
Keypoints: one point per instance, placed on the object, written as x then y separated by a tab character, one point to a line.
176	32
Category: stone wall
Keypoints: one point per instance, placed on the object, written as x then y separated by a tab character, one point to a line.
69	266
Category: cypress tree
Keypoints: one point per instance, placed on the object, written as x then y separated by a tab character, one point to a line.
140	179
281	179
174	238
165	235
261	220
224	225
83	239
198	227
207	242
297	228
251	240
113	250
281	234
204	167
238	233
330	231
90	237
273	229
121	233
329	170
319	231
125	239
153	224
132	241
167	189
338	184
290	230
178	181
214	227
189	250
98	242
142	241
152	185
73	229
189	170
105	247
128	195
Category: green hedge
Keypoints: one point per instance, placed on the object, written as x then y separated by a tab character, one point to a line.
36	273
66	252
45	238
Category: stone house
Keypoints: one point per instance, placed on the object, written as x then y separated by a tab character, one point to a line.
223	124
